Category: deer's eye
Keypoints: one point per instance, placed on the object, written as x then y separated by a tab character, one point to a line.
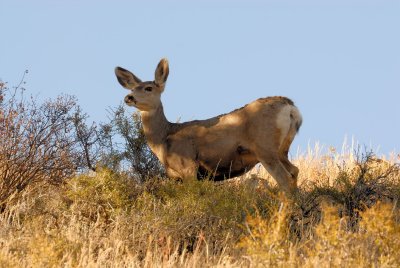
149	89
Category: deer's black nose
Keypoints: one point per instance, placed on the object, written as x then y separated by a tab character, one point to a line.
129	99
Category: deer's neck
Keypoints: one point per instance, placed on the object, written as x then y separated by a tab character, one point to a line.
155	126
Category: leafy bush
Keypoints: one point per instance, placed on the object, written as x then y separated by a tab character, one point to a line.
109	192
125	147
188	210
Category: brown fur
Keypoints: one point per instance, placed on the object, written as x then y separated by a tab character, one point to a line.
221	147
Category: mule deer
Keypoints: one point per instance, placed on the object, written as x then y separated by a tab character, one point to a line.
220	147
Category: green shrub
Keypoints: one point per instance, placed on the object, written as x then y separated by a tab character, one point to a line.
104	192
186	211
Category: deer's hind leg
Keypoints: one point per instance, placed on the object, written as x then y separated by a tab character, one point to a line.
292	169
284	151
277	169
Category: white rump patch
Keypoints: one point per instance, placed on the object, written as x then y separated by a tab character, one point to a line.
283	121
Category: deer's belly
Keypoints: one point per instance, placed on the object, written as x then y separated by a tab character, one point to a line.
236	162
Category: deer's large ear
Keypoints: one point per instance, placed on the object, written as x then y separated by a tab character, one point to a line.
162	72
127	79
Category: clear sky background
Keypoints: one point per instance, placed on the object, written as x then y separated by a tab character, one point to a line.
339	60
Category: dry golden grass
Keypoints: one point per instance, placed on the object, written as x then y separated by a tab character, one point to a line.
346	214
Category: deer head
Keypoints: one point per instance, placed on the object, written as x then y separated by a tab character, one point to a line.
145	96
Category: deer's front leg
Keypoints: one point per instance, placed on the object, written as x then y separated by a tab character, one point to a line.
181	168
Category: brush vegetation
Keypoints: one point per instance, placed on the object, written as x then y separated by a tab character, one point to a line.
105	206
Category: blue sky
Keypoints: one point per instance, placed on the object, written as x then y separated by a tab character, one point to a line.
338	60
